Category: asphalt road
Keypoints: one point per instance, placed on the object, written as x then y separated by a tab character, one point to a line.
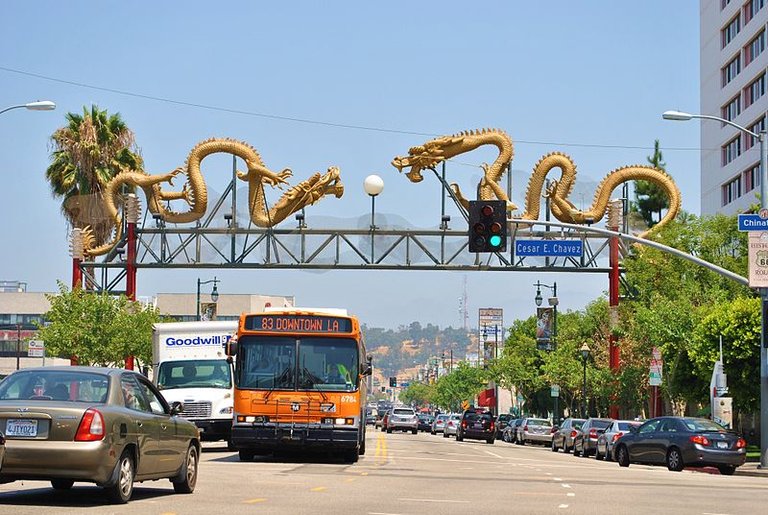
415	474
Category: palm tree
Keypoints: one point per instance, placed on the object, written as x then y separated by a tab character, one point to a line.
87	153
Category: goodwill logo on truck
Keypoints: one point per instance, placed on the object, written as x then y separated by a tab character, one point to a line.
198	340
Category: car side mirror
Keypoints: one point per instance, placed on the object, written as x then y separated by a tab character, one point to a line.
176	408
230	348
368	367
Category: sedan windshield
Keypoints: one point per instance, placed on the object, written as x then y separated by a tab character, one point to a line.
403	412
56	385
539	422
701	424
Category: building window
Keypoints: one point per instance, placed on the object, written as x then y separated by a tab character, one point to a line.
751	8
754	90
732	109
731	150
754	47
757	127
731	191
729	31
751	178
731	70
724	4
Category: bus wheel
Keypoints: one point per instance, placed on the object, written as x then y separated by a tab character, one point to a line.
362	447
246	455
352	455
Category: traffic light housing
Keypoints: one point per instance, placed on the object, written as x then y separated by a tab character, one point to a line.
393	382
487	226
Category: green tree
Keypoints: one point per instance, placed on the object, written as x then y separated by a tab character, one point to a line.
98	328
463	384
649	197
87	153
417	394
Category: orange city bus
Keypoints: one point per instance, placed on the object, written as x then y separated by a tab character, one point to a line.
299	382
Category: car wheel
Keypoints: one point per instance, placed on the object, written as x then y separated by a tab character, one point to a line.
362	446
185	482
522	441
554	446
414	431
246	455
675	460
389	430
459	438
490	440
566	449
622	456
434	433
598	456
726	470
230	446
62	484
121	489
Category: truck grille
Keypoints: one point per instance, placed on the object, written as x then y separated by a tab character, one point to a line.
196	409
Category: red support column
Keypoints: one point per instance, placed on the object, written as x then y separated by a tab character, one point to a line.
130	275
77	282
614	361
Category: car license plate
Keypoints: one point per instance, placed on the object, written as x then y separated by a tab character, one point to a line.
722	445
20	427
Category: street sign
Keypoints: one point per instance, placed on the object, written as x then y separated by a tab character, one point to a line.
549	248
752	222
554	390
758	259
36	349
656	368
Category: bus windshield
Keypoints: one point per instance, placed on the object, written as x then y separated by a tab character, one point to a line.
271	362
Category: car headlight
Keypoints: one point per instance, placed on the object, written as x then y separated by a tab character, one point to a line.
226	410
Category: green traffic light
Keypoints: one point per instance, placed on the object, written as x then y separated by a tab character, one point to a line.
495	240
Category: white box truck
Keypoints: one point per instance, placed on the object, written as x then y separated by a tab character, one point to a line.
189	365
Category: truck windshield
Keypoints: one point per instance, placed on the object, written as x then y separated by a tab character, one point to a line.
194	373
270	362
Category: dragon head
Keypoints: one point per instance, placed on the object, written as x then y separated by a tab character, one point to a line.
428	155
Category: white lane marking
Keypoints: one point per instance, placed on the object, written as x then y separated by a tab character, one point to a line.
548	473
432	500
571	494
556	479
381	513
707	513
565	485
495	455
563	506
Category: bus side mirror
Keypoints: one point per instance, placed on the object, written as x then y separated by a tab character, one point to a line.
368	367
230	348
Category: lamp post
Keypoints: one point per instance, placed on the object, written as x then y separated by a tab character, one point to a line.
41	105
552	301
584	350
762	137
214	292
373	185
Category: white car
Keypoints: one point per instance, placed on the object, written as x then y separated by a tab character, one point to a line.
451	425
404	419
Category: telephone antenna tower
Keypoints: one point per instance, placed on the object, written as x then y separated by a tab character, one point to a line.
463	310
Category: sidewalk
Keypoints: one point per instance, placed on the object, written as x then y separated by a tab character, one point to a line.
750	469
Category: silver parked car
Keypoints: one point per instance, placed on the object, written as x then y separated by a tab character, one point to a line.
404	419
534	430
452	424
585	443
439	423
607	440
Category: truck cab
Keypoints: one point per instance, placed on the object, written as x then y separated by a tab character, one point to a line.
189	365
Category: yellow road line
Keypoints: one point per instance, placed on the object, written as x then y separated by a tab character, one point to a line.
318	489
254	501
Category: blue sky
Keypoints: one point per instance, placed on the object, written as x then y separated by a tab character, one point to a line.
590	79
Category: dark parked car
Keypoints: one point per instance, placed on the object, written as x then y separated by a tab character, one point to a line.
501	422
509	434
680	442
425	422
563	437
607	440
106	426
476	425
585	442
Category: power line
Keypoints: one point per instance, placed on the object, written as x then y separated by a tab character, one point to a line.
317	122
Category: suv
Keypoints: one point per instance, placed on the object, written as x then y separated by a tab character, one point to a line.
477	425
403	418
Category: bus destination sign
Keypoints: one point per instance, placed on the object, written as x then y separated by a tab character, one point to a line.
298	324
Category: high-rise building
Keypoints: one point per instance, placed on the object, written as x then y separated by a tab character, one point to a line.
733	86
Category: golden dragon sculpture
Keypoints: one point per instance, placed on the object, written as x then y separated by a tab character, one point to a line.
433	152
195	192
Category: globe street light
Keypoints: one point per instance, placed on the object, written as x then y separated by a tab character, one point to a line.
584	350
373	185
214	293
41	105
762	136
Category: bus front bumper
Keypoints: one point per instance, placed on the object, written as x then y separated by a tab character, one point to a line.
273	436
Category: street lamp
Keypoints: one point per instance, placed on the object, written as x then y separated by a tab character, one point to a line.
214	292
584	350
552	301
373	185
762	137
42	105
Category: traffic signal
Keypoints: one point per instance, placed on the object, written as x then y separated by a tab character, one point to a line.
487	225
393	382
